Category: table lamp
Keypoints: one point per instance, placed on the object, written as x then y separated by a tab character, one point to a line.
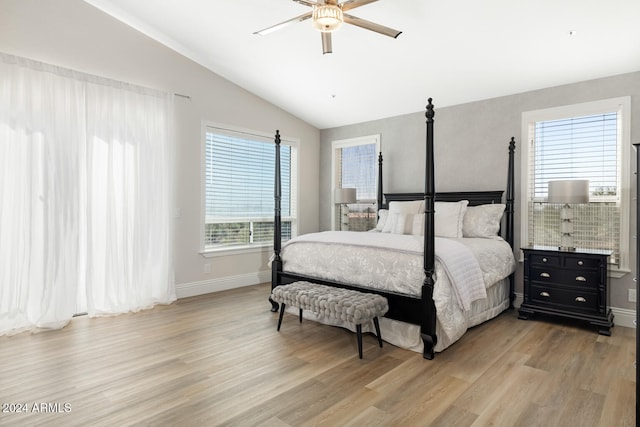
342	197
568	192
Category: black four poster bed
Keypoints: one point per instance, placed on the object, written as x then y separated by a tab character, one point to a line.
413	308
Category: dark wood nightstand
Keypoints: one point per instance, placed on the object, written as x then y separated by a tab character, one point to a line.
572	284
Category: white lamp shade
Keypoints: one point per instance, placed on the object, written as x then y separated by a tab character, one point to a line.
344	196
571	191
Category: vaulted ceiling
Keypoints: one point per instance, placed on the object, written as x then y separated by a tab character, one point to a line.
454	51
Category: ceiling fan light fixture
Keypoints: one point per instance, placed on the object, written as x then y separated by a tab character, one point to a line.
327	18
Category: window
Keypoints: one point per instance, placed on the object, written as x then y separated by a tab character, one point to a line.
355	165
239	174
583	141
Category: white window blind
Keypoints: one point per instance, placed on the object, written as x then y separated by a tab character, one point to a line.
356	166
239	189
580	147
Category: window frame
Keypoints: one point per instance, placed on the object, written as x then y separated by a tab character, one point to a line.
623	106
351	142
209	252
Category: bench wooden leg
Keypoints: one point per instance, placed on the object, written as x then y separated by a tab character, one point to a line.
377	325
359	334
300	315
280	317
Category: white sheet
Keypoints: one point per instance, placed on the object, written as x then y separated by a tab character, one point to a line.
494	255
462	270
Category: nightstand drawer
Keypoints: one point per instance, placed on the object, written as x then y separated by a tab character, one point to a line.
554	260
577	300
581	262
566	277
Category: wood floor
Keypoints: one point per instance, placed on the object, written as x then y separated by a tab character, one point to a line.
218	360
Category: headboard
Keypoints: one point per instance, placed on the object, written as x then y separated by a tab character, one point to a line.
475	198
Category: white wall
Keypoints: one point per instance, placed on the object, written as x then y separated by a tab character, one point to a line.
74	34
471	148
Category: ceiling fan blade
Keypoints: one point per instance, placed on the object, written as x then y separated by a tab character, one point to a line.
352	4
284	24
326	43
363	23
308	3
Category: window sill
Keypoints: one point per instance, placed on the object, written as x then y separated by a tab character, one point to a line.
238	250
617	273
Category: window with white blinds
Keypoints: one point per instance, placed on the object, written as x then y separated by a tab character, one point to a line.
355	165
239	174
565	144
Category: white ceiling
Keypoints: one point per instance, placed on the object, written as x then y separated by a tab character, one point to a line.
454	51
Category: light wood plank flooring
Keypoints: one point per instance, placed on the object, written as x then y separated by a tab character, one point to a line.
218	360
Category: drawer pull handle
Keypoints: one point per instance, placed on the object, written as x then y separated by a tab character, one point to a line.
581	299
544	294
547	275
581	279
580	262
544	260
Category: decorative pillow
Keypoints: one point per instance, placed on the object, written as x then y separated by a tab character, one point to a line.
398	223
383	214
483	220
400	217
418	225
448	218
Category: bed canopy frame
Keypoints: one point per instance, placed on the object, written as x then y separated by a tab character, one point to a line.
411	309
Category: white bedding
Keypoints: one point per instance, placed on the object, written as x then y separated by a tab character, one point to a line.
394	262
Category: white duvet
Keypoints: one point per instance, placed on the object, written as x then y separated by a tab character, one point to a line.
465	270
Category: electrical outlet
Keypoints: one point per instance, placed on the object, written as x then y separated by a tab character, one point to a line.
207	269
632	295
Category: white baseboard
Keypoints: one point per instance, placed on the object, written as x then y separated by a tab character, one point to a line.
185	290
622	316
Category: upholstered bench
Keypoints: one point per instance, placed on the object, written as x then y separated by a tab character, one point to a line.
333	303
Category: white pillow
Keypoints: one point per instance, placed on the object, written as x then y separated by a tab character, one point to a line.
483	220
448	218
383	214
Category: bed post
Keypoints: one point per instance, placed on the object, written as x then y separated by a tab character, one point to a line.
428	326
510	210
276	264
380	192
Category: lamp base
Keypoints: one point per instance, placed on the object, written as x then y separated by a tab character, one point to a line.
566	239
344	217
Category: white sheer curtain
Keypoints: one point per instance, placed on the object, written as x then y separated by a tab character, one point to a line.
85	196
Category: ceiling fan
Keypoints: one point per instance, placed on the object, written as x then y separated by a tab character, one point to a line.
328	16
